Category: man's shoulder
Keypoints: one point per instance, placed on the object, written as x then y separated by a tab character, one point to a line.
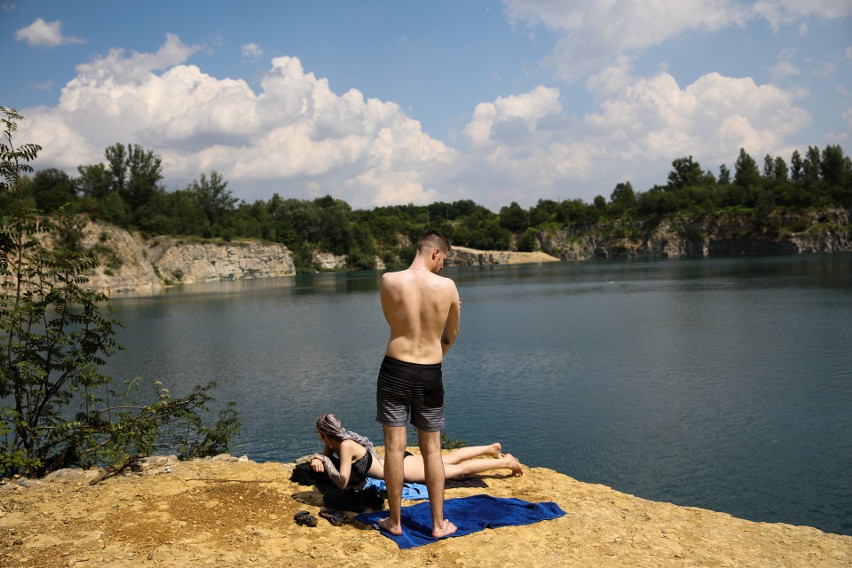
449	282
391	277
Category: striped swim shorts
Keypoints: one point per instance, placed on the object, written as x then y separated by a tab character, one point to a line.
410	389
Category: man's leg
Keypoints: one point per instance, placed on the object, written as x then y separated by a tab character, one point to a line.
395	442
433	465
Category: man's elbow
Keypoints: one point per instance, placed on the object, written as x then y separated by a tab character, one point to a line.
448	338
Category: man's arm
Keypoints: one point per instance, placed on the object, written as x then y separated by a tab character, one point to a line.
451	326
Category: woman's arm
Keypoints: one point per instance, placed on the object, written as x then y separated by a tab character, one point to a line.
309	459
322	462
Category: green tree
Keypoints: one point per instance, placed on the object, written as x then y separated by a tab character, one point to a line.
797	166
528	241
768	167
213	200
514	218
686	173
724	175
53	188
136	173
55	336
811	168
335	225
95	181
780	171
543	212
746	174
833	166
622	198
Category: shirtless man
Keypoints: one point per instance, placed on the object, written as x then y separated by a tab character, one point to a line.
423	311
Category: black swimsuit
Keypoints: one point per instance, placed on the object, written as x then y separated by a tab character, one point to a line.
360	468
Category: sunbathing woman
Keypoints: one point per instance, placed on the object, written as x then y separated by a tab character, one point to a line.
358	460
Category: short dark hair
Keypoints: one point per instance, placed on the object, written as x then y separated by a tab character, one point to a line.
433	238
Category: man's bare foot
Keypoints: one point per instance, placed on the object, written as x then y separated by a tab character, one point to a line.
514	465
447	528
385	524
496	450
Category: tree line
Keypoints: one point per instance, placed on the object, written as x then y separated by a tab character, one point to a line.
127	190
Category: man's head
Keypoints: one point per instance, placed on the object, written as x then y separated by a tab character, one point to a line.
431	240
433	247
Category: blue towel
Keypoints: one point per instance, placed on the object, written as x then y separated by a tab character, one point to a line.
470	514
410	491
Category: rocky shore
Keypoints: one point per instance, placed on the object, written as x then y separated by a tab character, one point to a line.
228	511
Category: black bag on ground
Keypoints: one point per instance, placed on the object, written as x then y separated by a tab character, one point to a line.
349	499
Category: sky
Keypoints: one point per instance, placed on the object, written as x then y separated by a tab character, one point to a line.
385	102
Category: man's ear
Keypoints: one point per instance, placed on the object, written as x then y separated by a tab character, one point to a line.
436	252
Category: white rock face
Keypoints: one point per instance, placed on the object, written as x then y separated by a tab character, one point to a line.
188	263
129	263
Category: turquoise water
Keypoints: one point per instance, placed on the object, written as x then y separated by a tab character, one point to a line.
721	383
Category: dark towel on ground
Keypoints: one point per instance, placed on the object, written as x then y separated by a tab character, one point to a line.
470	514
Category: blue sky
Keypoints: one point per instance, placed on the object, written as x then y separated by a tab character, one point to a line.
384	102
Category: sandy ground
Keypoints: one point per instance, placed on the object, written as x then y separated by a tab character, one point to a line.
226	511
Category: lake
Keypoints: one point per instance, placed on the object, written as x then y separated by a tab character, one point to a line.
718	383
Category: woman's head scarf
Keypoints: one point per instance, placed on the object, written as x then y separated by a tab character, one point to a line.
329	425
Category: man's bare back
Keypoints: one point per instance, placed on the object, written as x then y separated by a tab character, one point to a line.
422	310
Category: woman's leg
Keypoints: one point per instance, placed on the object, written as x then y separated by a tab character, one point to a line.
415	473
469	452
455	471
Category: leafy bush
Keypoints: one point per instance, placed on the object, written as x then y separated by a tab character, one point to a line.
56	408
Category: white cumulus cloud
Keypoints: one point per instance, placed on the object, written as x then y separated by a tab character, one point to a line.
295	136
634	134
782	12
594	33
251	50
45	34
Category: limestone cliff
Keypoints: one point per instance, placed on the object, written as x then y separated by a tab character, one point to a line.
726	234
132	263
188	263
123	264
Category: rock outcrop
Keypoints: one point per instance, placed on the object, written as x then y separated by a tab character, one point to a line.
124	266
188	263
718	235
129	263
464	256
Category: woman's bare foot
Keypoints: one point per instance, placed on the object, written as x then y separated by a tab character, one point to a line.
514	465
385	524
496	450
447	528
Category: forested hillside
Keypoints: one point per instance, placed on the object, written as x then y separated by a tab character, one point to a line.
780	197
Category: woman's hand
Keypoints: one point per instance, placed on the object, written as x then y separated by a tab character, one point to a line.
317	465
